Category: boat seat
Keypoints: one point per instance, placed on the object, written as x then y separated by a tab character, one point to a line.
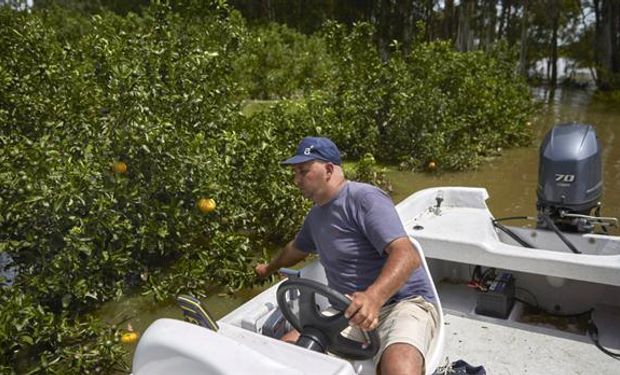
195	313
435	355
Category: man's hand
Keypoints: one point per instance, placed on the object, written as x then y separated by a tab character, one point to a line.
288	256
363	312
262	271
365	306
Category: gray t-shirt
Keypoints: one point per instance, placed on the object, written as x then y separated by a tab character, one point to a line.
350	233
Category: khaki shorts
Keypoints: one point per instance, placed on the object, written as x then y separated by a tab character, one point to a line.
412	321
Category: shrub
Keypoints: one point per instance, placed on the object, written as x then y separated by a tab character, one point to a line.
434	104
34	339
112	128
279	62
366	170
108	140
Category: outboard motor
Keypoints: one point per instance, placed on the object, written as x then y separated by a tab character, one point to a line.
570	181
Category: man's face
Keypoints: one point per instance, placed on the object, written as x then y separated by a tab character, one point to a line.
311	178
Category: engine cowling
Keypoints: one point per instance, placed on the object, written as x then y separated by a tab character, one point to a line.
570	176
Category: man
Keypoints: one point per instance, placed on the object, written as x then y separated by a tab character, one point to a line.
366	254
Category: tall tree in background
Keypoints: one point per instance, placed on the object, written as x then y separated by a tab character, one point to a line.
523	49
587	31
488	23
465	36
429	12
395	20
504	18
607	55
554	10
448	20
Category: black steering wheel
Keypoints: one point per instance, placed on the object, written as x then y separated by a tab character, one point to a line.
320	332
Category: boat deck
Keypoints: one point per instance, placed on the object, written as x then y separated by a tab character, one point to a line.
509	350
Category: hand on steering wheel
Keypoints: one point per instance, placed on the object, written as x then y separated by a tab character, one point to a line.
322	329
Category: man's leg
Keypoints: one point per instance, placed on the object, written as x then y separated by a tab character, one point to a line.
400	358
291	336
406	330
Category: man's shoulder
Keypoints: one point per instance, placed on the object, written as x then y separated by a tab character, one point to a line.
362	188
361	191
363	196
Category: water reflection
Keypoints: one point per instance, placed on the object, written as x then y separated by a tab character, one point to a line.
558	98
511	179
140	311
8	272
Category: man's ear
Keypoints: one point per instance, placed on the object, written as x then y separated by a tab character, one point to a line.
329	168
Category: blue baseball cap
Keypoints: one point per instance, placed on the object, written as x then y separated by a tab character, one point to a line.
315	148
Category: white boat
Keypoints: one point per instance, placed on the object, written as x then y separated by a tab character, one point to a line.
573	292
455	238
514	300
243	343
462	230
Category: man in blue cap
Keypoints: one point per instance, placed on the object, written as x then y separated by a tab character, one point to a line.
366	254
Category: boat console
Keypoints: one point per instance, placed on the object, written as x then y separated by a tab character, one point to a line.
247	341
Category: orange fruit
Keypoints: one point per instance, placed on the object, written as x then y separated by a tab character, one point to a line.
129	337
206	205
119	167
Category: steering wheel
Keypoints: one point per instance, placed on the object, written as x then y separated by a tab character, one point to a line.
320	332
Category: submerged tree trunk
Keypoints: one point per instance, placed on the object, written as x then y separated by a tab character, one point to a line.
555	24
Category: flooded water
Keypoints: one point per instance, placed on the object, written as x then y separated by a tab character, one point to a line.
510	179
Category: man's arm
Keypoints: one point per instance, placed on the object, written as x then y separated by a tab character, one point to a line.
402	260
288	256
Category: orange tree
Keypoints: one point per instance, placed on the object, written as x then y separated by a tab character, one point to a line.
108	139
433	104
112	129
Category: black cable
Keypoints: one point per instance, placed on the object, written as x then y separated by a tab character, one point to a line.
593	333
537	306
592	329
531	294
514	218
527	303
476	275
513	235
575	315
597	213
551	225
488	273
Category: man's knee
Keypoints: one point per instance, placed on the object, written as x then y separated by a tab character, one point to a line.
401	358
291	336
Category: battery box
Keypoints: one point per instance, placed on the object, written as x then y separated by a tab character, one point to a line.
498	299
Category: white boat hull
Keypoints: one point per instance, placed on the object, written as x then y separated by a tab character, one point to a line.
455	238
462	232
